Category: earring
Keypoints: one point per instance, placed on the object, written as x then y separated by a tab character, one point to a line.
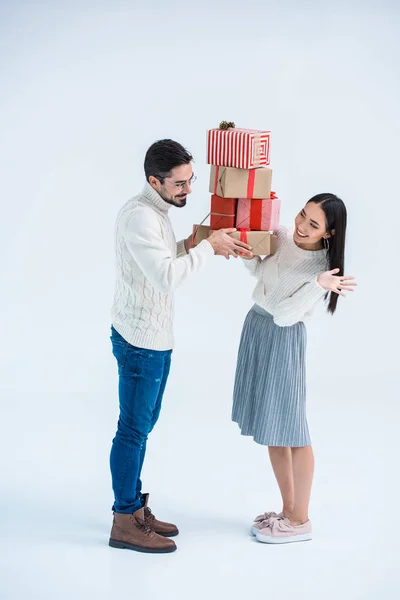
326	244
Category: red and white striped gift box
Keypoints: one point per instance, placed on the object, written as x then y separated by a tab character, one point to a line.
239	148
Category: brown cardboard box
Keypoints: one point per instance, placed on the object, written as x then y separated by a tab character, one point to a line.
263	243
229	182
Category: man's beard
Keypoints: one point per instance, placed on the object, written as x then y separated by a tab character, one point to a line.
177	201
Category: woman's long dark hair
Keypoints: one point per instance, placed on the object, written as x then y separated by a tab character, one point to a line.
336	219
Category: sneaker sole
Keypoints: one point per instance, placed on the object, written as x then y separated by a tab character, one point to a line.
268	539
125	545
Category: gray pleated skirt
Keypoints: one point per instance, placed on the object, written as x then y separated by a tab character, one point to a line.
269	397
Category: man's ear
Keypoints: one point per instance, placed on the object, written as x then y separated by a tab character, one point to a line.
153	181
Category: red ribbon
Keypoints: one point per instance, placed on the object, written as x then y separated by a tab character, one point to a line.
243	236
251	183
256	212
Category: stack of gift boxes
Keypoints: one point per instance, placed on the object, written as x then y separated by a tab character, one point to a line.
240	184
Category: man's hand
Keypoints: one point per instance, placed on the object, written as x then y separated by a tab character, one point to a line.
226	246
189	243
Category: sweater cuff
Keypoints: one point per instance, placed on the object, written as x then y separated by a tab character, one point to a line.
204	247
180	249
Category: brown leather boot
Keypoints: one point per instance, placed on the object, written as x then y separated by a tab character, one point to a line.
132	532
160	527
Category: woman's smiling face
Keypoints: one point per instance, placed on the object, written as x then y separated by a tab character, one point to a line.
310	226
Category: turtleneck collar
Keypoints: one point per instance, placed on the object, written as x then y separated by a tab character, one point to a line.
154	198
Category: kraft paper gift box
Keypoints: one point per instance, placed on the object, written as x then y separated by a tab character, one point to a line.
263	243
259	215
228	182
239	148
223	212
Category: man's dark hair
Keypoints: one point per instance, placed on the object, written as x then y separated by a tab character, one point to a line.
163	156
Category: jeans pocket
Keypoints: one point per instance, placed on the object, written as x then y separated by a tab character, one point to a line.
120	351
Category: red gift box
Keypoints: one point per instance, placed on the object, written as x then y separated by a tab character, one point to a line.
239	148
223	212
259	215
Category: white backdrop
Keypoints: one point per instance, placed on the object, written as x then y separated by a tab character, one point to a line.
86	88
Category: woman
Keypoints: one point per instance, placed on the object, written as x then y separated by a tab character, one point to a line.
269	400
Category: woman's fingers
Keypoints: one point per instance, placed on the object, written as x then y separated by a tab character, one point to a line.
342	277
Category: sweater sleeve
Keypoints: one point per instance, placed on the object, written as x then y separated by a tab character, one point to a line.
180	249
253	265
145	243
294	309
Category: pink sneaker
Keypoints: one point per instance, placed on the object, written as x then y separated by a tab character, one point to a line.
281	531
262	521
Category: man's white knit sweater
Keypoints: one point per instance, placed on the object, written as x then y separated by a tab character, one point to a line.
149	266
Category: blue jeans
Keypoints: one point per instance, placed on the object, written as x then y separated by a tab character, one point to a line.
143	375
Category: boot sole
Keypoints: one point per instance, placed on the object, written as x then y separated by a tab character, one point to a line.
125	545
167	535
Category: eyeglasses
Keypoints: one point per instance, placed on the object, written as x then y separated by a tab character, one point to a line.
181	184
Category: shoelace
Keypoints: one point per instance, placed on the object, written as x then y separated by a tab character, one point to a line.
142	525
148	514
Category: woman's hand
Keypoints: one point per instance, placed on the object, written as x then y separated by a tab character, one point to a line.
335	283
249	257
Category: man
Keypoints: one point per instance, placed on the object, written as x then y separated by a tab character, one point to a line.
150	265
